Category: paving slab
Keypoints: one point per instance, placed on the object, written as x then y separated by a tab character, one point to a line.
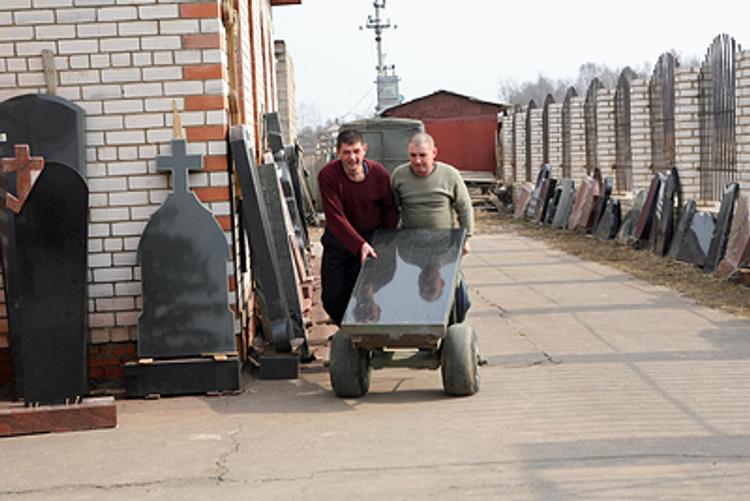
597	386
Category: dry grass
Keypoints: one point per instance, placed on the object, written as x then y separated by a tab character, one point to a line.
684	278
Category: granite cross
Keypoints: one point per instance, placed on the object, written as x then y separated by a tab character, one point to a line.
179	164
23	165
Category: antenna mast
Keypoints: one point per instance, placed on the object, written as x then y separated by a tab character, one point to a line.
387	84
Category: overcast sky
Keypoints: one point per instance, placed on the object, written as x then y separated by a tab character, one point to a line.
468	46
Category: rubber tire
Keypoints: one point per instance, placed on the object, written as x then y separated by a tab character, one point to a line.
459	361
349	368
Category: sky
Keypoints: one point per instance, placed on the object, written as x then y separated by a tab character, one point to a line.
469	46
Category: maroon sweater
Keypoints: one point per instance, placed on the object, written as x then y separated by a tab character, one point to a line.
354	209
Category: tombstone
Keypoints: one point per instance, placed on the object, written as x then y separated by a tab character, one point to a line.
581	209
697	240
562	210
282	240
627	228
534	201
183	256
44	253
524	196
601	205
275	318
738	244
646	216
546	194
54	129
650	242
670	206
723	225
554	200
683	226
610	221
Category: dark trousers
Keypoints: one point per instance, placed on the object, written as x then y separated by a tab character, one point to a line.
338	274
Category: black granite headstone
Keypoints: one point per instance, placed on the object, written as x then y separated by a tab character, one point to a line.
683	226
567	196
546	193
276	210
610	221
723	226
697	240
275	319
601	204
670	207
183	255
409	288
549	214
646	216
627	228
44	253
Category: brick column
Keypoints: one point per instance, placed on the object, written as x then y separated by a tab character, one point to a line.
536	142
687	130
640	134
554	116
577	139
742	119
521	146
506	137
605	131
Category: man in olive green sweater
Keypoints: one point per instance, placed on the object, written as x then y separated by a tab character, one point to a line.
432	194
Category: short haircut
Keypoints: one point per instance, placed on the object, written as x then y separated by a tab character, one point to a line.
422	138
348	136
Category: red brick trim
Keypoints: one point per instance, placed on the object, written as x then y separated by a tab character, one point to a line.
200	10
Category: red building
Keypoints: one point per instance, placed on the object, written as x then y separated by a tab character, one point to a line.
465	128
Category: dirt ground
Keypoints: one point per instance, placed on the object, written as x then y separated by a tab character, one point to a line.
684	278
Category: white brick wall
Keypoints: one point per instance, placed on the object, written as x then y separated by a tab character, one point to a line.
605	131
577	139
742	119
536	142
554	116
640	134
122	61
687	130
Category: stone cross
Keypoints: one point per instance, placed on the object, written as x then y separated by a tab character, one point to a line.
24	165
179	164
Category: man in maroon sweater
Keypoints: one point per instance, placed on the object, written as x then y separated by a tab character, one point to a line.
357	200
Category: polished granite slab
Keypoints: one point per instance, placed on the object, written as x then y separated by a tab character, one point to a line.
722	228
409	288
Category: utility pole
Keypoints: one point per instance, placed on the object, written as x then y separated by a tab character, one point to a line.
387	84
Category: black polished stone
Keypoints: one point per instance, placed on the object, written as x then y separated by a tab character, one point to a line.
683	226
610	221
601	204
273	132
44	254
534	201
546	194
723	226
282	239
627	228
183	255
670	210
549	213
418	297
53	127
279	366
646	216
183	376
275	319
562	210
697	240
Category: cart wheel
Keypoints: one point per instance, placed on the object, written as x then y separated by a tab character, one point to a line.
350	368
459	361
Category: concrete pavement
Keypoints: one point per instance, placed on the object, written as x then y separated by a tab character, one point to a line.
598	386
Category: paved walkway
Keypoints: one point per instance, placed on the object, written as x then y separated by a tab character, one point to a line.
598	386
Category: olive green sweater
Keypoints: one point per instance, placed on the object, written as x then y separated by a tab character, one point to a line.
432	201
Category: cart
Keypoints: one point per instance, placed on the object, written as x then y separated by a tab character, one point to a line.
402	314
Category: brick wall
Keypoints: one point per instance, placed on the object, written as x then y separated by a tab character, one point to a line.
577	139
640	134
286	92
506	138
521	147
554	117
536	141
125	63
687	130
605	131
742	119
